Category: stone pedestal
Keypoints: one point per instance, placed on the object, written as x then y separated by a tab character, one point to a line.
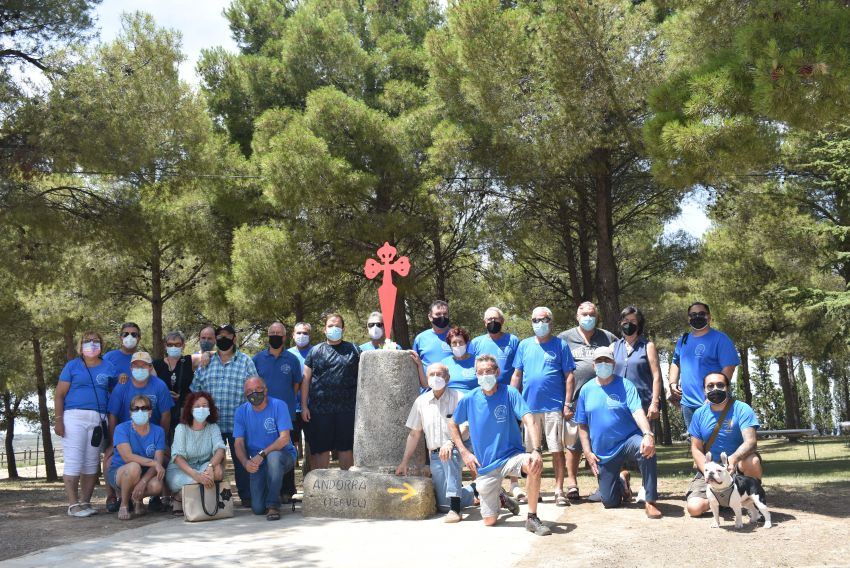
367	495
388	383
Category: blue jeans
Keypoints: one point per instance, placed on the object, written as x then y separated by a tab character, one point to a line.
611	486
687	415
446	477
266	482
242	485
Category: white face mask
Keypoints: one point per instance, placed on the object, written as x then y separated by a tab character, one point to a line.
130	342
302	340
459	350
375	332
487	382
436	382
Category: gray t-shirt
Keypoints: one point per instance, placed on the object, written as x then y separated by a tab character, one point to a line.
583	353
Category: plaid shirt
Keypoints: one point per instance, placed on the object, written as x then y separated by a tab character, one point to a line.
225	382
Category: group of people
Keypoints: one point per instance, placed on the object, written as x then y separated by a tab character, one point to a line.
488	403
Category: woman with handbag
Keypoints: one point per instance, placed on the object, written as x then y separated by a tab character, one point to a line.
80	410
137	466
197	453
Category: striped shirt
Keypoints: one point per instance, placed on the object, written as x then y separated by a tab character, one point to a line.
225	382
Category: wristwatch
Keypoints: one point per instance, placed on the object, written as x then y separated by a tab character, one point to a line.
262	453
539	450
571	405
649	434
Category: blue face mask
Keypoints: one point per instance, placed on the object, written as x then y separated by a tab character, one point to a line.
206	345
540	329
487	382
140	374
334	333
587	323
200	413
140	417
604	370
174	351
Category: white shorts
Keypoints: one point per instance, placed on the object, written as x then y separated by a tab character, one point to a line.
80	456
571	441
551	427
490	484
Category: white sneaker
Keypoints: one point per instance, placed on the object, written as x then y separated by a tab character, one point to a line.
518	494
641	495
76	510
452	517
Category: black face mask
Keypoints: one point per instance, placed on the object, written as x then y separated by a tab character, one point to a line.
207	345
256	398
440	322
275	341
716	396
494	327
698	322
629	328
224	343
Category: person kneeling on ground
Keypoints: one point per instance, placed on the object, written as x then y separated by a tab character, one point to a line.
197	454
723	425
492	411
613	428
261	428
430	414
137	469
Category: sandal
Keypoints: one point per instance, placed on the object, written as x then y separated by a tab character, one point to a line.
124	514
273	515
113	503
572	493
561	499
176	507
139	508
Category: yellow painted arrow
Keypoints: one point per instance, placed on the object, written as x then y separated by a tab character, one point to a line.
407	490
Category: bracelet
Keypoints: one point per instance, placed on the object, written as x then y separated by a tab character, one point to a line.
649	434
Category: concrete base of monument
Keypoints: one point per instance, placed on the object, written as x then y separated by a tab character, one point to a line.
367	495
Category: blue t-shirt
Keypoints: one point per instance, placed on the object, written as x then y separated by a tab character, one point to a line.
607	411
260	429
461	374
300	354
121	362
729	437
503	349
145	446
281	373
699	357
155	389
493	426
543	368
369	346
432	347
82	395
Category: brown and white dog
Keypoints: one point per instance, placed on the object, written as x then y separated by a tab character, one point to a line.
735	491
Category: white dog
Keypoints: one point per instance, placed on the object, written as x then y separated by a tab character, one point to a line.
733	490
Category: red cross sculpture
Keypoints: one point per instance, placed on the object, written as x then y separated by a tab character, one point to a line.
387	291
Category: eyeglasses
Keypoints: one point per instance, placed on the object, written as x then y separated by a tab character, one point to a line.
541	320
375	324
133	333
174	345
712	386
697	314
137	408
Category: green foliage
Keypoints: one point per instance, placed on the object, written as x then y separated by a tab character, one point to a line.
768	402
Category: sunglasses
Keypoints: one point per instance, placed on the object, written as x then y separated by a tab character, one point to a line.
375	324
137	408
133	333
541	320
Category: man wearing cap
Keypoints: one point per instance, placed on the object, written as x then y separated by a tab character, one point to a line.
224	378
613	429
142	382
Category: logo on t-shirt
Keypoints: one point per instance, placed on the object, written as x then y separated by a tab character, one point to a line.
102	379
153	399
270	425
730	424
549	356
614	401
501	413
468	373
150	451
284	368
698	352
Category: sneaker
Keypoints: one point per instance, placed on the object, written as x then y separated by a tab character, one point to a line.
155	505
595	497
508	502
89	508
452	517
77	510
641	495
518	494
535	525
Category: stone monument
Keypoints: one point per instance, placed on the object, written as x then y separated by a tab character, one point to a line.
388	383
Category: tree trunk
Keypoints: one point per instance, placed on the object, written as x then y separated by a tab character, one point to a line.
845	381
157	348
666	437
744	374
43	415
68	326
565	217
9	415
792	414
401	330
584	253
607	283
298	307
